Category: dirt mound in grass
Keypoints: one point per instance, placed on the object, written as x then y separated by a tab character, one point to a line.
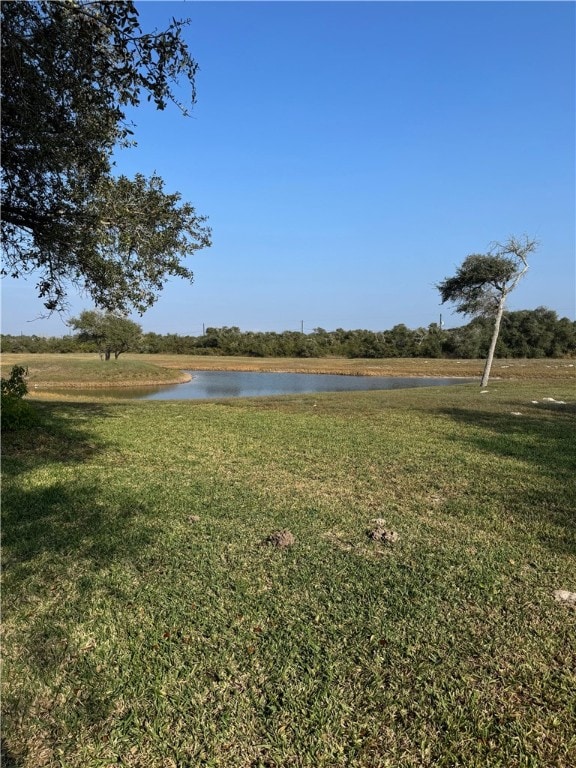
378	532
280	539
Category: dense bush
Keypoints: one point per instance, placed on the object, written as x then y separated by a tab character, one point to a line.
16	413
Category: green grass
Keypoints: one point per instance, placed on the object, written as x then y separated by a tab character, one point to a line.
146	624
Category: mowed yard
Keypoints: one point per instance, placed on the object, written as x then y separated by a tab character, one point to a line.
149	622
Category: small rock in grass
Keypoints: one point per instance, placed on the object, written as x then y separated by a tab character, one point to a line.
281	539
565	597
194	519
383	534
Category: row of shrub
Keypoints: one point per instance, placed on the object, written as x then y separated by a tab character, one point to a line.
525	333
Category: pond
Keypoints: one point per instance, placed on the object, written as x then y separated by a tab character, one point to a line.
206	385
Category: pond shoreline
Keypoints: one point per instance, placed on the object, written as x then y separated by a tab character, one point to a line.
216	385
79	385
77	373
187	377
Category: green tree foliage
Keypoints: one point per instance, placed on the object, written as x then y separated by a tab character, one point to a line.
15	385
16	414
69	71
523	333
111	333
483	282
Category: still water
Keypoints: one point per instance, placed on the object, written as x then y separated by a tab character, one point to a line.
206	385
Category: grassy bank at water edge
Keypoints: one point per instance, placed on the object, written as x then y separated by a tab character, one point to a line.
46	372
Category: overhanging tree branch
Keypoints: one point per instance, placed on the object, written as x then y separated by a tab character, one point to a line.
68	71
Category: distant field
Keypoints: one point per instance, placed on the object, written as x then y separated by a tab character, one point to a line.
148	623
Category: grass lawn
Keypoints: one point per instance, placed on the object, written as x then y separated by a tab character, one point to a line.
148	624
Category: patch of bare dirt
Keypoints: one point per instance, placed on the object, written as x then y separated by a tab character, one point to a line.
281	539
565	597
378	532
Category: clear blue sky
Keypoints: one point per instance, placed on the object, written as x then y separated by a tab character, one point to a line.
349	155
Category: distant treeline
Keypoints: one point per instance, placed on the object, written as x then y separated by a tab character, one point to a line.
525	333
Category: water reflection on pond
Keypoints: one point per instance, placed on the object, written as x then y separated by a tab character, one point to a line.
222	384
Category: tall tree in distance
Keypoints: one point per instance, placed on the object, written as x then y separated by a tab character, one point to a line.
69	71
483	282
111	332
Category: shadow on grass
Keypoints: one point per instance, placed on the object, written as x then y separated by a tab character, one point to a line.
63	534
544	441
6	759
544	437
64	511
75	518
62	435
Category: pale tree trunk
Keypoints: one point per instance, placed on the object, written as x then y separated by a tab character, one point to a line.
495	333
